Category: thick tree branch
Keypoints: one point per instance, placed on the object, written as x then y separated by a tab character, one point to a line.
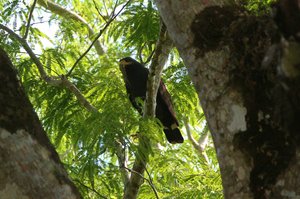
159	59
122	159
83	101
29	19
191	138
53	80
59	10
139	166
162	50
203	140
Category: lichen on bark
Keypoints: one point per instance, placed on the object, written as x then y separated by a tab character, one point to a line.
29	163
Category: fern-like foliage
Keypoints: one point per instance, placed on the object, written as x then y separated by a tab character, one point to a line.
86	141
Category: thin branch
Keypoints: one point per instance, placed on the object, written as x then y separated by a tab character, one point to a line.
59	10
104	4
99	11
140	50
29	19
114	9
31	54
203	140
150	57
191	138
78	94
40	22
97	37
53	80
199	146
149	181
92	189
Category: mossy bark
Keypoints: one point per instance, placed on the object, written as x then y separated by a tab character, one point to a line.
29	164
240	65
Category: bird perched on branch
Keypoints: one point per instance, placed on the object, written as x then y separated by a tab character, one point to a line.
135	76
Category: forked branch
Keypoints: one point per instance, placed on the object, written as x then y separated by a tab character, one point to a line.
51	80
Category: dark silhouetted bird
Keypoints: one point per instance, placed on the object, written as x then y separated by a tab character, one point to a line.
135	77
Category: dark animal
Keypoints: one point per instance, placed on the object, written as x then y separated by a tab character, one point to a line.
135	77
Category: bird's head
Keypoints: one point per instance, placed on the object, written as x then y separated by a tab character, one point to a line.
126	61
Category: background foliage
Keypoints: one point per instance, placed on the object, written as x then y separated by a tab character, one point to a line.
87	142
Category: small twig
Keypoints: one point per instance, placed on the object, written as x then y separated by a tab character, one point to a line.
40	22
52	80
140	50
29	19
70	15
114	9
150	57
99	11
92	189
104	4
97	37
149	181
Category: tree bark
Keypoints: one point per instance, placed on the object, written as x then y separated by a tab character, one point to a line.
246	71
29	164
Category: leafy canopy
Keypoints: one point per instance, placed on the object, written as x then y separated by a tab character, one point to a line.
88	142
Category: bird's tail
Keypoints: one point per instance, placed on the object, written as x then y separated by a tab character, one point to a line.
173	135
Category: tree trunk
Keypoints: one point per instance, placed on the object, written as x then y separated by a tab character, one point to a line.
246	72
29	164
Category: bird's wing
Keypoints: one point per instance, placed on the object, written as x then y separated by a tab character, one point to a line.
162	90
129	91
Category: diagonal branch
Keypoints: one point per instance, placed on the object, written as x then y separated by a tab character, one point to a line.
160	56
96	7
90	188
97	37
31	54
51	80
59	10
159	59
29	19
201	144
148	180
